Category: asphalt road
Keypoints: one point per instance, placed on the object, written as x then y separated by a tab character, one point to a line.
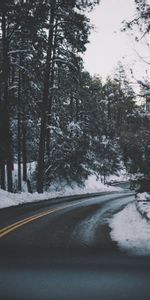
63	250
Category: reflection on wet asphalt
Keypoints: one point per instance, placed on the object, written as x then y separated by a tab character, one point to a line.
69	255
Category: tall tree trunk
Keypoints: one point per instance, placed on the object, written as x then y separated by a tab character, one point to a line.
19	150
41	154
7	146
19	130
24	151
77	110
71	105
52	77
2	175
2	152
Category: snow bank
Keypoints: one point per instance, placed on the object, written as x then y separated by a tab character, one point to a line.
92	185
131	231
121	176
143	204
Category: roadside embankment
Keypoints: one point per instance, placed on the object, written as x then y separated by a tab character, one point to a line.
143	205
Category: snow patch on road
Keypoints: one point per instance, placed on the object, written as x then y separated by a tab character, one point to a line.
85	231
131	231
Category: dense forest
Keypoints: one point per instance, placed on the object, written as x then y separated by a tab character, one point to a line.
55	113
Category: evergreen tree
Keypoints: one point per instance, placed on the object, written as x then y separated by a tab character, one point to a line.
72	30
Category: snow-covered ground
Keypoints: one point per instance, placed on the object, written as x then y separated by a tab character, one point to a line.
131	231
121	176
143	204
92	185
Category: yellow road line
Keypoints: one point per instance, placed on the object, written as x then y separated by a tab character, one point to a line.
31	217
4	231
20	223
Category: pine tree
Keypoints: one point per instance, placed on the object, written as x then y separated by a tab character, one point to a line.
72	32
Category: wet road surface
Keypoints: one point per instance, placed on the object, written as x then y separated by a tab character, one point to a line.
64	251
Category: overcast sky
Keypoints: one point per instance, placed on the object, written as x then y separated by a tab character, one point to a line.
108	44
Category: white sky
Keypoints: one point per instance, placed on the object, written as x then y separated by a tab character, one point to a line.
108	44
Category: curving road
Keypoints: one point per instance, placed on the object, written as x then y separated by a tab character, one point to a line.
62	250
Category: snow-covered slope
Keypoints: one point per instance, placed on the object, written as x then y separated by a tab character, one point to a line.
92	185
